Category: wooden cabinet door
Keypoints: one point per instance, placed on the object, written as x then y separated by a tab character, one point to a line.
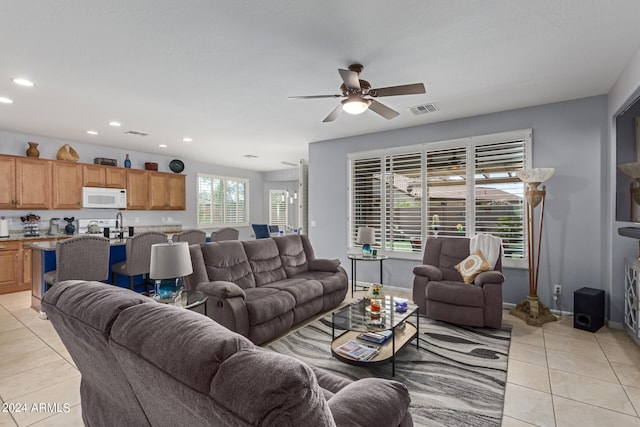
158	191
33	183
177	192
93	176
10	266
67	185
137	189
115	177
7	182
26	266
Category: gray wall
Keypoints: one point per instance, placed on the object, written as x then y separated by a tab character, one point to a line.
16	144
569	136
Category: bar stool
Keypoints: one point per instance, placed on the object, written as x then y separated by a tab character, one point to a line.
225	233
80	258
192	237
138	257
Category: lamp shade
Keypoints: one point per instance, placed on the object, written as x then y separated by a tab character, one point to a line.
355	105
535	175
366	236
170	260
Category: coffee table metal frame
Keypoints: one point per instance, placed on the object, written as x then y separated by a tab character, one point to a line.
354	318
354	259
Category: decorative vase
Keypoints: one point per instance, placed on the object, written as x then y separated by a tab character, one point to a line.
127	162
33	151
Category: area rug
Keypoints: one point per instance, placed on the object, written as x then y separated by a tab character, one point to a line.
457	378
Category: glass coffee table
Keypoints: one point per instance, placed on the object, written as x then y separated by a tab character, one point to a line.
357	318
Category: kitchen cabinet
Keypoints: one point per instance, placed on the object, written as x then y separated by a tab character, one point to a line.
167	191
103	176
26	266
25	183
137	189
67	185
10	267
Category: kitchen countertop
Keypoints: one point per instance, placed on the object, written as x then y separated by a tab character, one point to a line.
19	235
51	245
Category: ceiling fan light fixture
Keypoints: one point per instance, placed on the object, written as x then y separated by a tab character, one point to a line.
355	105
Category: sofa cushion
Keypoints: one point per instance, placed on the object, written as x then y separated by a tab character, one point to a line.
302	290
456	293
265	261
331	282
270	389
265	303
228	261
292	254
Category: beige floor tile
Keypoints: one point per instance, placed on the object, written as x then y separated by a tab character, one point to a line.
16	300
581	365
528	353
21	342
15	386
73	418
570	413
512	422
528	405
610	336
24	362
595	392
634	396
527	335
577	346
55	398
626	355
627	374
62	351
564	327
8	322
6	420
528	375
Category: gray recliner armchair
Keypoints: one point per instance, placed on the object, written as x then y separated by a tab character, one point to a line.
441	294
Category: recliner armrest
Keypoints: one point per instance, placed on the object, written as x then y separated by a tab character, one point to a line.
221	289
430	271
330	265
489	277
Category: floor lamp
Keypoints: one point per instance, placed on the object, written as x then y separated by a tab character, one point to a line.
532	310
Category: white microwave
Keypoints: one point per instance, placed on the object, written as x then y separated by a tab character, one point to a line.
105	198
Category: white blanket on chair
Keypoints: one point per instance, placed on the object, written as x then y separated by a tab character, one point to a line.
489	245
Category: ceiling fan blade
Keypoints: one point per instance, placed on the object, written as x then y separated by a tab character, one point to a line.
383	110
412	89
315	96
350	79
333	115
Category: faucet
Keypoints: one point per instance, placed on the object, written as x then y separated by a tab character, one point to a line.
119	227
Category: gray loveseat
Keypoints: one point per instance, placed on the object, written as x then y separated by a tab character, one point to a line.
150	364
261	288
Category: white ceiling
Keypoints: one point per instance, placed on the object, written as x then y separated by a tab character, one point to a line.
220	71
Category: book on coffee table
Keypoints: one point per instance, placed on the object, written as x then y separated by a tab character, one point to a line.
379	337
357	351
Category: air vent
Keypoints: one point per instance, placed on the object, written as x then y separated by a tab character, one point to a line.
135	132
424	109
289	164
250	156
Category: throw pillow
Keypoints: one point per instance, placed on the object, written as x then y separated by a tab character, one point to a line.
473	265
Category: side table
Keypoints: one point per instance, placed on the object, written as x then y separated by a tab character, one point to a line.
355	258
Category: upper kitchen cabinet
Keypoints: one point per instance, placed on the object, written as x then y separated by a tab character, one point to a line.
103	176
137	189
31	182
167	191
67	185
7	182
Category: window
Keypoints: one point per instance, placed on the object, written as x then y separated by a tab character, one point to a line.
222	201
452	188
278	208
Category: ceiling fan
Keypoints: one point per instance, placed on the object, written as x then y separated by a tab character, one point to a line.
355	91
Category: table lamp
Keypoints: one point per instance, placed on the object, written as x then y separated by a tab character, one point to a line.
170	262
366	237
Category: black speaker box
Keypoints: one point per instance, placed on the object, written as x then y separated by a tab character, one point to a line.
588	309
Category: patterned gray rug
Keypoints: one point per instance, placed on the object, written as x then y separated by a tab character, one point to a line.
457	378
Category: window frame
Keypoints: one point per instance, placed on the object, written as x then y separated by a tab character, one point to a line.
470	144
224	180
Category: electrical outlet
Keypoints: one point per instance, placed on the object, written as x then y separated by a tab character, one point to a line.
557	289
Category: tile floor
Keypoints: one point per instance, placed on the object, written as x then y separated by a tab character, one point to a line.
557	375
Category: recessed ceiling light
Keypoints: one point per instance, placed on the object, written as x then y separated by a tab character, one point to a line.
162	145
22	82
187	139
6	100
92	132
115	124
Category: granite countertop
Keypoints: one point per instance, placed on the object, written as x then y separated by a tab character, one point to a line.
51	245
19	235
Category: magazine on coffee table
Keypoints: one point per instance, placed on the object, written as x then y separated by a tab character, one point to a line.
379	337
357	351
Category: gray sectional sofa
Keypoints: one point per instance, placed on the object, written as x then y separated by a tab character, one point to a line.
261	288
150	364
